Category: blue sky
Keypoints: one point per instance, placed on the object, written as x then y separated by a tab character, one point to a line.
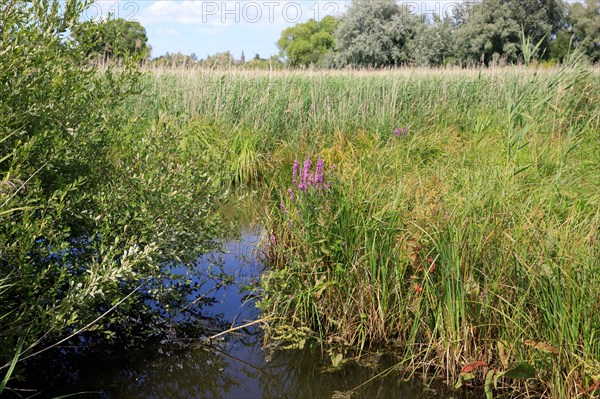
210	26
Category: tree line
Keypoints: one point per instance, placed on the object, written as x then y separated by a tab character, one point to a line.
383	33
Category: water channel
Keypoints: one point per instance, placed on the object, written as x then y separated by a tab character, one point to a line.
234	365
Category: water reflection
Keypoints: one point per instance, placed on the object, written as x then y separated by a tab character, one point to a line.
232	366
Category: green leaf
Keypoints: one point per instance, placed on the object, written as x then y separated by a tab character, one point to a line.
497	376
488	384
463	378
521	371
11	368
337	359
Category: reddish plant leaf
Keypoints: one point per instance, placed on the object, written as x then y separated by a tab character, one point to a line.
472	366
591	389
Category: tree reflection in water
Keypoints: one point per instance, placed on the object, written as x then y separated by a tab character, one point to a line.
176	363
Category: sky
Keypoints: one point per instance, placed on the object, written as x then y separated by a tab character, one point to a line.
251	26
210	26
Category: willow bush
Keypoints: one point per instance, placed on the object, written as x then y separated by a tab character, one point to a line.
93	204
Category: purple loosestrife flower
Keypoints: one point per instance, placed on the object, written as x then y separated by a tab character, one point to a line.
305	179
319	174
307	168
295	173
282	207
305	176
272	239
401	131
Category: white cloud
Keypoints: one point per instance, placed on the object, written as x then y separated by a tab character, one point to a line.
247	12
169	32
250	12
185	12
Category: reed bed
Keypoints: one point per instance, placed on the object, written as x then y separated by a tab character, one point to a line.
453	217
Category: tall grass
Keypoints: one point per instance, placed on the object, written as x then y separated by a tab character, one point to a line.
470	236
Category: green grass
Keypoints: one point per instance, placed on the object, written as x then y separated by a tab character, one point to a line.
472	238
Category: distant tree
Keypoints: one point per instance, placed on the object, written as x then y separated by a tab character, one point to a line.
493	29
562	45
175	60
580	29
308	43
433	43
540	20
113	38
375	33
584	21
274	62
488	33
219	60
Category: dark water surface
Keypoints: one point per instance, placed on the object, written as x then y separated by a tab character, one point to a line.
232	366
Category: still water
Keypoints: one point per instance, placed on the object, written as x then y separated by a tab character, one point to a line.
231	366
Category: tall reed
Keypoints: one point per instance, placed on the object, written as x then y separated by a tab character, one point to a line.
460	223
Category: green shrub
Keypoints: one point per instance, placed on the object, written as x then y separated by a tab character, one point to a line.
93	202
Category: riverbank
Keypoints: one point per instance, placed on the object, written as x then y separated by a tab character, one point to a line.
449	218
454	217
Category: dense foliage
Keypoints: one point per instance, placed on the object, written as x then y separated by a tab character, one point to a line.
456	221
92	203
581	29
308	43
375	33
112	38
389	33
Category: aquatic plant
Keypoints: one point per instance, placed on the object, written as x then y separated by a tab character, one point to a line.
307	180
453	246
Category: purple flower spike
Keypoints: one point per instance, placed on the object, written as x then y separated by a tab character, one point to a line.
306	169
319	175
282	207
401	131
295	173
305	178
272	238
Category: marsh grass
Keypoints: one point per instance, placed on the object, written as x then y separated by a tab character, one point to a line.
471	237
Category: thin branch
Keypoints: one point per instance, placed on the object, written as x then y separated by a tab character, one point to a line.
239	327
80	330
23	184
